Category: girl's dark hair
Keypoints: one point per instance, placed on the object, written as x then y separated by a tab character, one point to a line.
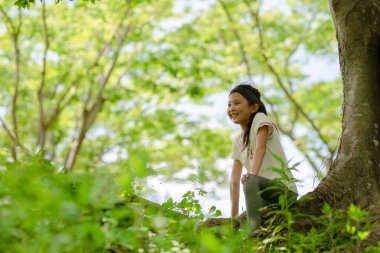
253	96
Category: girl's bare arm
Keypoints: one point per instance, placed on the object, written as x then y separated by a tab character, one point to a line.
261	143
237	168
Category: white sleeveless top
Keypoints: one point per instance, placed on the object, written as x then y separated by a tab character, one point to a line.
274	155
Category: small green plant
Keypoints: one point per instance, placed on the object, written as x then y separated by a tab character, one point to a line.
188	206
333	231
91	212
282	215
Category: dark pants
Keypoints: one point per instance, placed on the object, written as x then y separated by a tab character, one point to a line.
257	195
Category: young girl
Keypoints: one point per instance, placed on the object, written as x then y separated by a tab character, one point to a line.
258	149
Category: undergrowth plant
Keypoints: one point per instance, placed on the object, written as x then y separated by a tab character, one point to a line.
333	231
42	210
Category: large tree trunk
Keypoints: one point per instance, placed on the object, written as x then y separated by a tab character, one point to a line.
355	174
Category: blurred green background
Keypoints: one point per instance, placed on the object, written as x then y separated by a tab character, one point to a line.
135	92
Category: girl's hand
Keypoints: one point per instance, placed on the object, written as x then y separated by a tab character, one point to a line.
246	176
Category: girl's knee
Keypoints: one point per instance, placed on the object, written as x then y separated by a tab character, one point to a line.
254	180
251	183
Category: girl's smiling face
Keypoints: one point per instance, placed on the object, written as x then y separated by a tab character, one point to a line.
239	110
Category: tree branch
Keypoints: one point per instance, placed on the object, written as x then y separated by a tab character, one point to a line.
246	62
290	134
90	112
278	78
7	130
58	109
106	48
295	48
42	126
14	33
8	20
11	135
61	80
243	52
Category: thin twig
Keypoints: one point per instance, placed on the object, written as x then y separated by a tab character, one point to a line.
90	112
105	49
11	135
42	125
290	134
243	52
276	75
7	130
295	48
14	33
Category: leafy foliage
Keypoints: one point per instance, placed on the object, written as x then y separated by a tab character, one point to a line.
27	3
171	54
95	212
109	79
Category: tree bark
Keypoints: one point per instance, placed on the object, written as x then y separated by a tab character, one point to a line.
355	174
